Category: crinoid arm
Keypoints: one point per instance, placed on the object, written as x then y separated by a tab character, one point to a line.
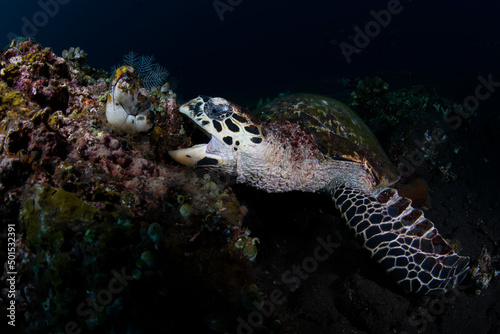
402	240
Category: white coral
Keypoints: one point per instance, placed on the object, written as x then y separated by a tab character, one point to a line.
127	109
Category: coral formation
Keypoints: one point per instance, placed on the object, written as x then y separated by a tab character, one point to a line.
75	54
373	94
128	109
393	115
369	91
90	205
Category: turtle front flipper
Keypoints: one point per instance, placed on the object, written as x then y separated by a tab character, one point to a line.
400	238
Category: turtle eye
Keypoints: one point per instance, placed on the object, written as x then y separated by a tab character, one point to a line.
218	111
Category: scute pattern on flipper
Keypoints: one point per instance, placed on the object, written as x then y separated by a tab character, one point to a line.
401	239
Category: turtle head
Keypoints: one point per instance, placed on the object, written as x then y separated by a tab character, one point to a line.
232	132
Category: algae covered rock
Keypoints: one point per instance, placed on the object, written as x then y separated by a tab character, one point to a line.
102	239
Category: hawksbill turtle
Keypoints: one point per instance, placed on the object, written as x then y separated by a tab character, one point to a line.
312	143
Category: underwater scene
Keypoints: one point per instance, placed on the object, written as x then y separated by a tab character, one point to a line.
237	166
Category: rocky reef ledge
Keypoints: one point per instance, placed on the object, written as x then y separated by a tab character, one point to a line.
111	236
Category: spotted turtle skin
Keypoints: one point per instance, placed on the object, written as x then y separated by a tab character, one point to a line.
312	143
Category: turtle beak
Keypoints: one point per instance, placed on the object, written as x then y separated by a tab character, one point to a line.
197	155
184	109
192	155
189	156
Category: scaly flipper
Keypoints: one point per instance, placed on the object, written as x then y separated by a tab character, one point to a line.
400	238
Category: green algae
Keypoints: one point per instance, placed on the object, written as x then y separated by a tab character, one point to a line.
372	95
66	234
54	218
47	209
10	73
155	232
10	97
369	90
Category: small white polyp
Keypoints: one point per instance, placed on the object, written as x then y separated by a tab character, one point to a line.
118	117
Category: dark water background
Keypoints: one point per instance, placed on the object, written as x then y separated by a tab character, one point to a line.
266	47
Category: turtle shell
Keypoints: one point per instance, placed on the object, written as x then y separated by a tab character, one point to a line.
336	129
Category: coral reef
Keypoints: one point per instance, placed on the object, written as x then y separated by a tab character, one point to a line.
393	116
75	54
373	94
369	91
93	209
